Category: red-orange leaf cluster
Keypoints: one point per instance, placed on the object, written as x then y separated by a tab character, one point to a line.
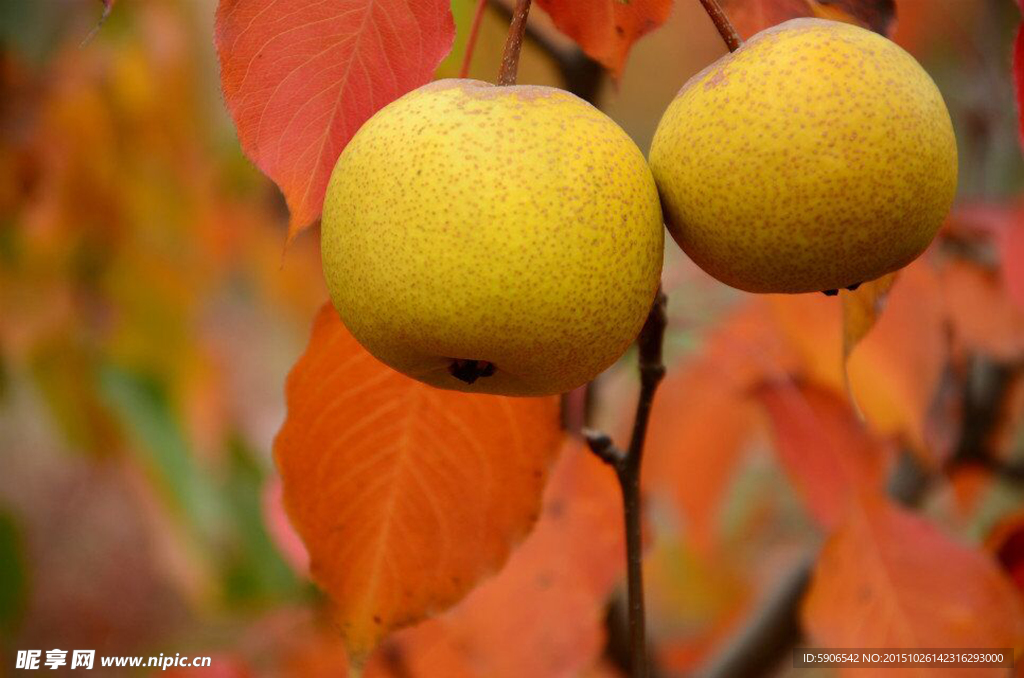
543	615
607	29
300	77
405	495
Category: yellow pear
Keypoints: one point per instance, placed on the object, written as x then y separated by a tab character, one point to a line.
817	156
492	239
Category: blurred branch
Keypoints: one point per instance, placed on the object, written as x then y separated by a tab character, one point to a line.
761	645
985	392
108	6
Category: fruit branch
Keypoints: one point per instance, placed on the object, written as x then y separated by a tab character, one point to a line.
474	33
722	23
580	74
514	44
627	465
984	408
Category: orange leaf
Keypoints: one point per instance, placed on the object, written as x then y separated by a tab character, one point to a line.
861	310
607	29
405	495
752	16
878	15
888	578
894	371
826	452
300	77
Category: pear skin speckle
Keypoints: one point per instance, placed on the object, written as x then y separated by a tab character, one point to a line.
816	156
491	239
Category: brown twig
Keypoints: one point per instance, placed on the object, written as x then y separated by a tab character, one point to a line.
627	465
984	408
514	44
474	33
722	23
581	75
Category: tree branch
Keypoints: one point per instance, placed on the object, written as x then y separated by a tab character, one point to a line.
580	74
627	467
984	402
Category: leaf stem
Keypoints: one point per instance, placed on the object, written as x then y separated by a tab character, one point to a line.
474	33
722	23
514	44
627	467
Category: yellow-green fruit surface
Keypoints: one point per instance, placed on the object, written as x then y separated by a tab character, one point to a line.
515	226
817	156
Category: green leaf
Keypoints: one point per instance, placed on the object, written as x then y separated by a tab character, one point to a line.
254	570
462	11
142	404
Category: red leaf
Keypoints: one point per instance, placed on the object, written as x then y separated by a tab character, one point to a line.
980	311
405	495
888	578
752	16
1018	76
607	29
826	452
300	77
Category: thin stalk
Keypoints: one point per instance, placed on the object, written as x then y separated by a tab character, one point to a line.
514	44
725	28
627	465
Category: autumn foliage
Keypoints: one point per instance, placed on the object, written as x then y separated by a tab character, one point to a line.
187	429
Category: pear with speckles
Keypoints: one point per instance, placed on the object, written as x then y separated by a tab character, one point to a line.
817	156
503	240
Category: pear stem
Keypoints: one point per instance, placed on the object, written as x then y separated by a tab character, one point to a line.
514	44
627	466
722	23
